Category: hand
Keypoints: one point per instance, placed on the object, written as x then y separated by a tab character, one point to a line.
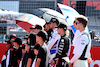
70	64
89	60
52	62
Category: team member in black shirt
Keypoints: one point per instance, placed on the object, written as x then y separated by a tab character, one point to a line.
29	55
48	30
42	57
17	52
10	52
63	47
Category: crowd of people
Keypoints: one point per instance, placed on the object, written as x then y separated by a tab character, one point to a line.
9	17
50	47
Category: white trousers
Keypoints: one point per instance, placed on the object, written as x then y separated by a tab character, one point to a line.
80	63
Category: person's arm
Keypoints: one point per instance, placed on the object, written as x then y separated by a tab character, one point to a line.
83	42
37	64
29	62
53	40
89	58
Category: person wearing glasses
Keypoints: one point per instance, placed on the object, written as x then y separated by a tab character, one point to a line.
81	42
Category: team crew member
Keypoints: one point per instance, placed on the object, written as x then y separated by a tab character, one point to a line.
63	46
10	53
17	52
36	50
48	30
24	43
42	57
37	28
3	62
82	45
54	39
29	55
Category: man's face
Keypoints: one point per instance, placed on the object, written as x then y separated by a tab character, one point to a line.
76	24
36	30
47	27
32	30
27	47
15	44
12	40
36	51
51	25
59	30
37	39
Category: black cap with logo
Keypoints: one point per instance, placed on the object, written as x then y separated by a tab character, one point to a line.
36	27
18	40
54	20
62	26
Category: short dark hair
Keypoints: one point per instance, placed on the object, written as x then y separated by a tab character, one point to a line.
54	20
37	45
82	19
32	39
61	25
42	34
18	40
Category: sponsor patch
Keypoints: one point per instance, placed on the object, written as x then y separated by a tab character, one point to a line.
62	40
83	43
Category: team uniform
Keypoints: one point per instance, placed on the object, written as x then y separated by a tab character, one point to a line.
49	32
53	41
13	56
26	57
53	44
17	56
82	45
43	55
63	50
10	56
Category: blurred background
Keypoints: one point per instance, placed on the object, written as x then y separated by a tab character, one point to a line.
10	10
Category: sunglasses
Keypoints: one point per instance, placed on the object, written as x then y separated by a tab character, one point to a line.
76	22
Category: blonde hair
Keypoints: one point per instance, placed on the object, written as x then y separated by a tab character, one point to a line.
67	32
83	17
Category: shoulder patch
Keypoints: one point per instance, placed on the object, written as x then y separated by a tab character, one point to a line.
62	40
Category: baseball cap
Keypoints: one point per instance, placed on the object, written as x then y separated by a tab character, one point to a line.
32	27
43	35
18	40
13	35
62	26
36	27
26	37
37	45
54	20
47	23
